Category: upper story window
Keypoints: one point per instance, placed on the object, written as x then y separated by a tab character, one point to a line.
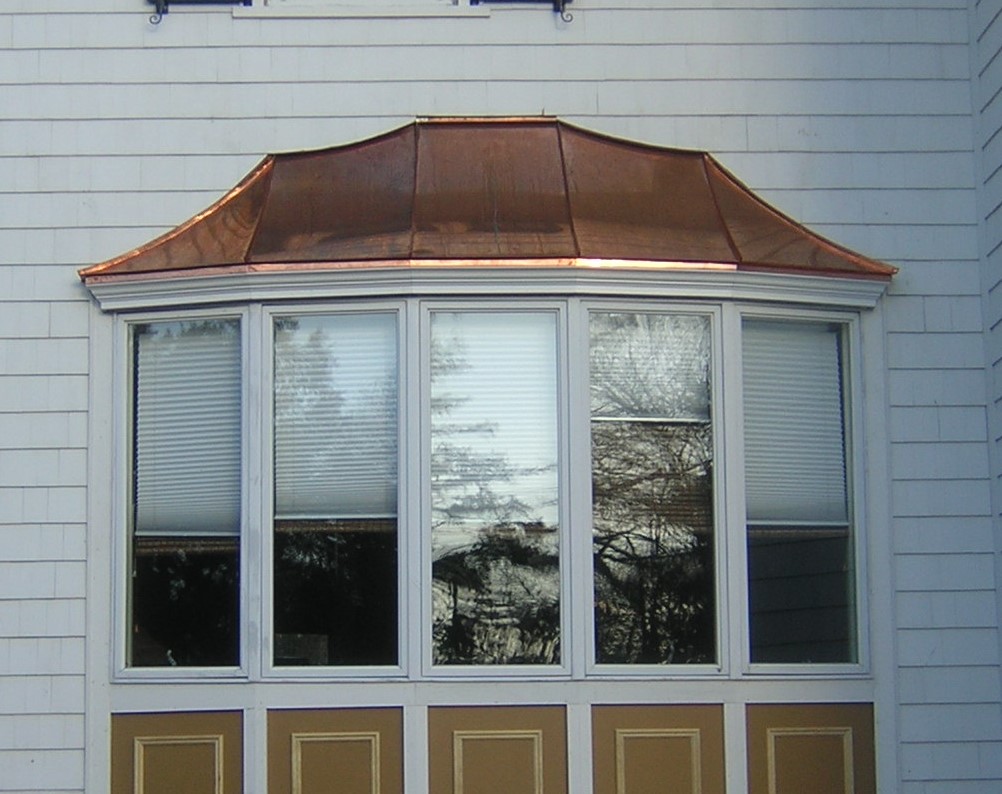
510	399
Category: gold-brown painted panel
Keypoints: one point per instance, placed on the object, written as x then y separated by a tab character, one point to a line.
658	748
197	752
497	750
335	751
821	748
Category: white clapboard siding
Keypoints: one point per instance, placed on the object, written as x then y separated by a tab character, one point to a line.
853	116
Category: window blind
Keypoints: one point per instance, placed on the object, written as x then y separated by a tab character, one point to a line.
187	428
336	417
494	416
794	435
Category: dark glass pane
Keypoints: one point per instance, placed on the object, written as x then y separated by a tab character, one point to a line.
336	592
653	543
652	489
495	544
800	595
185	602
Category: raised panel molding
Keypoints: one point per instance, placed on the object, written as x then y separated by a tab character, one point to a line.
497	750
651	749
335	751
369	741
194	776
460	739
672	736
825	748
844	736
168	753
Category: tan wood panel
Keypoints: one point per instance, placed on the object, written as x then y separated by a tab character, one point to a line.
820	748
335	751
658	749
197	753
497	750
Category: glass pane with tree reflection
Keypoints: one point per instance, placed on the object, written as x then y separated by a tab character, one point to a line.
335	541
652	492
495	550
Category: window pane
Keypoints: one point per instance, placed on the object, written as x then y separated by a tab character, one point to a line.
187	424
495	550
185	602
652	490
800	550
335	544
184	606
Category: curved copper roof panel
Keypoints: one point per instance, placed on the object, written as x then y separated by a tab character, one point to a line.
489	191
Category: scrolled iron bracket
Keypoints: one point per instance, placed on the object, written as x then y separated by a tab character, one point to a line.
559	6
162	8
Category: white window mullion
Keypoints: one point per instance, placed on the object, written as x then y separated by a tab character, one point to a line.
581	639
257	428
415	565
734	588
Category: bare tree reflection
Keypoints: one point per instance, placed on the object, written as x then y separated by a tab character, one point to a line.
495	570
652	457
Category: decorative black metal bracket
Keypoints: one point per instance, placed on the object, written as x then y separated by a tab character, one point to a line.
163	6
559	6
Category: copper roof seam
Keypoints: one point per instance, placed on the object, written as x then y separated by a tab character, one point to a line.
248	180
706	159
416	132
559	126
269	168
880	269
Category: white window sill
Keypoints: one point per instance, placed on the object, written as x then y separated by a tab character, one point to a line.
360	10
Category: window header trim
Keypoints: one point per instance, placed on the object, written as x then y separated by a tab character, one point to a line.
251	284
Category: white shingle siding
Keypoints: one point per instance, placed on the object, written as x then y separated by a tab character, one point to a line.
987	95
853	117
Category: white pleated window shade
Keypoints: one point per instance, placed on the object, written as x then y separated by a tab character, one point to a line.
336	417
494	416
187	428
794	431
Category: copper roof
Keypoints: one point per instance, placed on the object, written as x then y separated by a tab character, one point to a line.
490	191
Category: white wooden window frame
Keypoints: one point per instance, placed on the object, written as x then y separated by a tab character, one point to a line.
577	627
122	479
407	533
849	323
581	413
